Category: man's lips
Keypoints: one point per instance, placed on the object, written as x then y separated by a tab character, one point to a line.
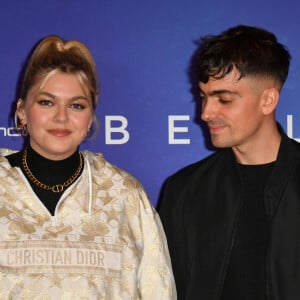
216	128
59	132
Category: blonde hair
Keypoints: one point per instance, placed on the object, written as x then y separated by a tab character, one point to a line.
54	54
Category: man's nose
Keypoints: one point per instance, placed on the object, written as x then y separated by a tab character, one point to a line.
209	110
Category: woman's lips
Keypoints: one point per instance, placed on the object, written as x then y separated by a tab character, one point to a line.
59	132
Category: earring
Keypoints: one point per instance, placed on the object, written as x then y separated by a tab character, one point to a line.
16	121
19	125
24	130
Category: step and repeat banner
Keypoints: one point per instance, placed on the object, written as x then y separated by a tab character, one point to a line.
142	51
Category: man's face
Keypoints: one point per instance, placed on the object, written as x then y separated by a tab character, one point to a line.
232	109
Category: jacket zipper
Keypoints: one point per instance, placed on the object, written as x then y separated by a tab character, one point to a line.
230	248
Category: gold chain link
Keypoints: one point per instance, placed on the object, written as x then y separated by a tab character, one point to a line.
57	188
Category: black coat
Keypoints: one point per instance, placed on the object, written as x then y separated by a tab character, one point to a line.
199	212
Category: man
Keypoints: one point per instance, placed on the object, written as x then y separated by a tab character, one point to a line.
233	219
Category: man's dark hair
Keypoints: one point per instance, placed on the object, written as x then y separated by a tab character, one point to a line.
252	51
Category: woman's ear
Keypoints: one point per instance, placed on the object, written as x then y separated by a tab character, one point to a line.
21	112
270	98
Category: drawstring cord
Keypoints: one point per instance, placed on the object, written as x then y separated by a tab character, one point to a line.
90	184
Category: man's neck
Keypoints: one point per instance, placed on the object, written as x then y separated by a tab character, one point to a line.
263	151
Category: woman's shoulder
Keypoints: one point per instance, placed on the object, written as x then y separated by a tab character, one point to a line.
6	151
104	168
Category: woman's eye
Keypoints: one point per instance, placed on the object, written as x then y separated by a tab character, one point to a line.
45	102
77	106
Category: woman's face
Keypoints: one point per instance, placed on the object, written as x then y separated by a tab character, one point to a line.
58	115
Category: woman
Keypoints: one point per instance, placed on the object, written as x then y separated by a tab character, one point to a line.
72	225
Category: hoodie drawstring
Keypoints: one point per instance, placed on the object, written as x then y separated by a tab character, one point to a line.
90	184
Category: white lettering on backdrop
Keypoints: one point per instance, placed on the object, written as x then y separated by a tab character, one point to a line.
116	132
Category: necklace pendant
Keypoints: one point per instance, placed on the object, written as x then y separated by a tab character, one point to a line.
57	188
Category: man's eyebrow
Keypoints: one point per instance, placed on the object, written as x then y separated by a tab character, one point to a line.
219	92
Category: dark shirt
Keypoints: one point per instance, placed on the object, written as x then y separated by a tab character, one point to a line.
246	272
47	171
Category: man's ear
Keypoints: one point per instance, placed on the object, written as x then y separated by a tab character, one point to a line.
270	98
21	111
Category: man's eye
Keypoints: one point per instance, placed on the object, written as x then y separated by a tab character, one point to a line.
202	98
224	101
45	102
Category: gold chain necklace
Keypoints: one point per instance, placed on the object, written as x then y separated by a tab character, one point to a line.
57	188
